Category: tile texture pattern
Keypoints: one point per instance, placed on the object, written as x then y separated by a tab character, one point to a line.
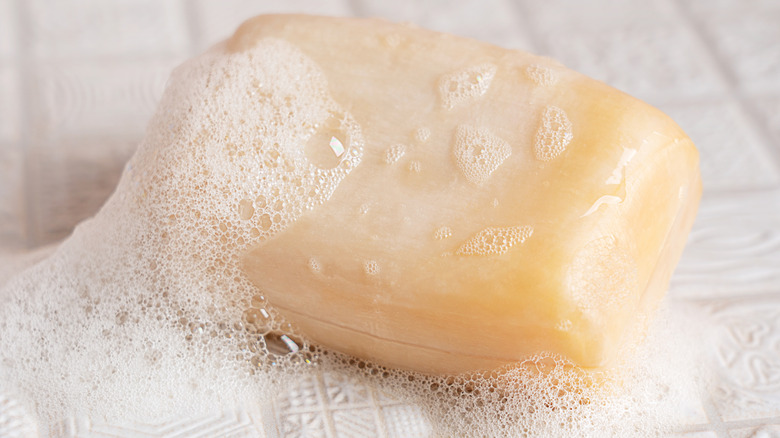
80	78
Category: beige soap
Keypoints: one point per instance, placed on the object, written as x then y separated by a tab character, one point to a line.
504	205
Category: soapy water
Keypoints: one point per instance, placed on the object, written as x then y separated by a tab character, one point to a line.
144	312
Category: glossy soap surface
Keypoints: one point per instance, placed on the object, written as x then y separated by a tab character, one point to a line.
504	205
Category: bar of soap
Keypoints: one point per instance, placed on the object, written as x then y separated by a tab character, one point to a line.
504	205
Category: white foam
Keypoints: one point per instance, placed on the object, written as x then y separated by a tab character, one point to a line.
464	85
554	134
142	312
478	152
495	240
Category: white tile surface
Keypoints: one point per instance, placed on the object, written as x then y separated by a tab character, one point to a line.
568	17
68	29
733	156
745	336
769	431
655	63
746	43
10	105
12	201
8	30
217	20
465	18
768	109
96	70
705	434
733	249
97	97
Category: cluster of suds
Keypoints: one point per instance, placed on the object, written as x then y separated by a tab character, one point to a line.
602	276
464	85
144	312
646	394
478	152
541	75
494	240
443	232
553	135
394	153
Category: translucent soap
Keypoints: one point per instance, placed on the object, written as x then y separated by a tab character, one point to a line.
504	205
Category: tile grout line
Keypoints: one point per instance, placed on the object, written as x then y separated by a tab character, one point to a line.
322	392
730	80
716	422
379	413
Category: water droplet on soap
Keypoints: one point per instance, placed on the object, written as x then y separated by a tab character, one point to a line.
478	152
326	146
257	301
553	135
463	85
495	241
394	153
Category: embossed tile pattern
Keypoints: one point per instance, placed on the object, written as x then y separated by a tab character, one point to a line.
80	78
746	42
461	18
733	155
733	249
86	28
72	98
747	357
216	20
657	64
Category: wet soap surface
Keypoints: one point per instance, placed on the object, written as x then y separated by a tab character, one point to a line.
565	202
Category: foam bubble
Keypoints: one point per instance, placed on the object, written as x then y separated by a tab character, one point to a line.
371	267
553	135
443	232
495	240
422	134
394	153
144	311
478	153
541	75
467	84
